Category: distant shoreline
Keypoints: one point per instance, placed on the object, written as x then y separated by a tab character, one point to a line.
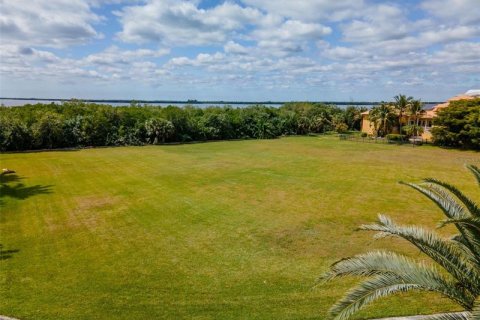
214	102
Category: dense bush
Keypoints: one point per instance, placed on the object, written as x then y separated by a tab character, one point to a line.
78	124
458	125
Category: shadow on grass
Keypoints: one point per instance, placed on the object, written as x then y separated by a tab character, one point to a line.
44	150
7	254
11	185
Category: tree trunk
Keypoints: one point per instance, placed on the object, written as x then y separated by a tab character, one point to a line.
400	123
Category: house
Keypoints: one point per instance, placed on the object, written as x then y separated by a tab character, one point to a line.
426	120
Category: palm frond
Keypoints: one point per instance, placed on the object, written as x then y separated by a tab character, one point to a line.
387	284
367	292
443	251
475	315
450	316
469	204
462	244
442	199
473	222
453	210
475	170
377	263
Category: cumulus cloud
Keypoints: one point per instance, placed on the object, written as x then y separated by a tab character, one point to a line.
422	40
311	10
343	53
55	23
114	56
182	22
290	37
381	22
452	11
234	48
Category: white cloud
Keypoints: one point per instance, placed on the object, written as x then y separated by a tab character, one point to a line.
422	40
311	10
290	37
183	23
55	23
381	22
234	48
343	53
454	11
466	53
114	56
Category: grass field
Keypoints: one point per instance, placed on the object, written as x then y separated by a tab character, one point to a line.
223	230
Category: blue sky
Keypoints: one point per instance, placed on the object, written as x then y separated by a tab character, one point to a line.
360	50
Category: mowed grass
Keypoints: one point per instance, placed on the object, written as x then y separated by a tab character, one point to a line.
223	230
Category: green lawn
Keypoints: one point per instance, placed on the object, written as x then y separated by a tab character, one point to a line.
223	230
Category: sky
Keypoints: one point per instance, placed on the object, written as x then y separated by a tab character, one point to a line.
242	50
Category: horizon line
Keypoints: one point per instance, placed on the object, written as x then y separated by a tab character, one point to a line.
194	101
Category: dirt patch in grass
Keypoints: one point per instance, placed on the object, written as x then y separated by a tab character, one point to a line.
91	211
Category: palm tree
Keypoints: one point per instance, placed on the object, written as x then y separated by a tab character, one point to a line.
381	116
415	110
390	273
401	105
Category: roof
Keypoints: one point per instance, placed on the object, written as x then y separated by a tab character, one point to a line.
473	92
465	96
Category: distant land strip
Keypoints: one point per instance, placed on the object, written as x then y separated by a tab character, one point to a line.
192	102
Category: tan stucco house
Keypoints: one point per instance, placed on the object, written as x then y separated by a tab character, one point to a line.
426	120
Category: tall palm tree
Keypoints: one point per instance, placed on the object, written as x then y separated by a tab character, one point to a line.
390	273
415	110
401	105
381	116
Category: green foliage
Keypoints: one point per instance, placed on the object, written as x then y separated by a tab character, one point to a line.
78	124
382	117
458	125
353	117
158	130
401	105
48	131
412	130
341	127
14	134
390	273
396	137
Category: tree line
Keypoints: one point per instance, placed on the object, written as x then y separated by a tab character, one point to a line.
79	124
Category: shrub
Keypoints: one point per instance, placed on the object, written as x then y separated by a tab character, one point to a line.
363	134
396	137
48	131
14	135
458	125
412	130
158	130
341	127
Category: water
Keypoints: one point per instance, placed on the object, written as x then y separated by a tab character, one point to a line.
14	102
